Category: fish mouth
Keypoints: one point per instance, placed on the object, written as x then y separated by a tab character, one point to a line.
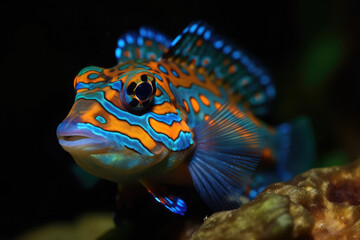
73	139
79	141
104	157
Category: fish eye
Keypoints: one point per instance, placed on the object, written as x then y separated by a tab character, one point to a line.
143	91
139	90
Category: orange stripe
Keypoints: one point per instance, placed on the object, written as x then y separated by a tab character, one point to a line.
115	125
164	108
172	131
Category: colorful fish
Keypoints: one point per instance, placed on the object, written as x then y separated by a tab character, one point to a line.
182	112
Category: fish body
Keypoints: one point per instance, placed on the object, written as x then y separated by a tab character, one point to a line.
183	112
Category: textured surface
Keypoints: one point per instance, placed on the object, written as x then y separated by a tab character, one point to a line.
270	216
318	204
331	195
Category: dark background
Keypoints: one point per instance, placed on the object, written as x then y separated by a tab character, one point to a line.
311	48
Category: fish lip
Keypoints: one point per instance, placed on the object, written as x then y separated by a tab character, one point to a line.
72	138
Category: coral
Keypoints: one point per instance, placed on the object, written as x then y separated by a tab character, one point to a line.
319	204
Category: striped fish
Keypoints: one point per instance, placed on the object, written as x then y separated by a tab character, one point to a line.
182	112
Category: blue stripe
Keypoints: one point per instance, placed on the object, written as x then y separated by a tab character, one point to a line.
120	139
182	142
90	68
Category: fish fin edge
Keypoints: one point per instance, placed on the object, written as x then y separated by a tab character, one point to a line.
228	150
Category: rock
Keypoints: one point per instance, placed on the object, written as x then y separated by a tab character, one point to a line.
270	216
318	204
331	195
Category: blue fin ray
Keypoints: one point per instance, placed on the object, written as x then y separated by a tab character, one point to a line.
228	149
173	203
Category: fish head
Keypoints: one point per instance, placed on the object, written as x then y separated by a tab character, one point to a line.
123	124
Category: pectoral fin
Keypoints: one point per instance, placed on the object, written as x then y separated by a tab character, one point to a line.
174	203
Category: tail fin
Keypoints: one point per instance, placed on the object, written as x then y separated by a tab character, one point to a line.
295	148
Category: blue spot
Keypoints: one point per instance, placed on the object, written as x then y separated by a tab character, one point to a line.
174	73
158	77
200	77
218	44
140	41
129	38
184	70
227	49
193	28
207	35
100	119
186	30
161	68
270	91
252	194
93	75
236	55
264	80
257	71
159	37
118	53
245	60
142	32
150	33
201	30
121	43
252	68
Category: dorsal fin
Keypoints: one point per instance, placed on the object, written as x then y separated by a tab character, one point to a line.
201	48
146	43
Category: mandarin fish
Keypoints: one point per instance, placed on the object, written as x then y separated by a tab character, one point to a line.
183	113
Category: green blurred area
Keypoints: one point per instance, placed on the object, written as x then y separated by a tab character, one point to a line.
324	69
321	59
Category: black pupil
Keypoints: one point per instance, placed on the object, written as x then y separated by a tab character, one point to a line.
143	91
144	78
